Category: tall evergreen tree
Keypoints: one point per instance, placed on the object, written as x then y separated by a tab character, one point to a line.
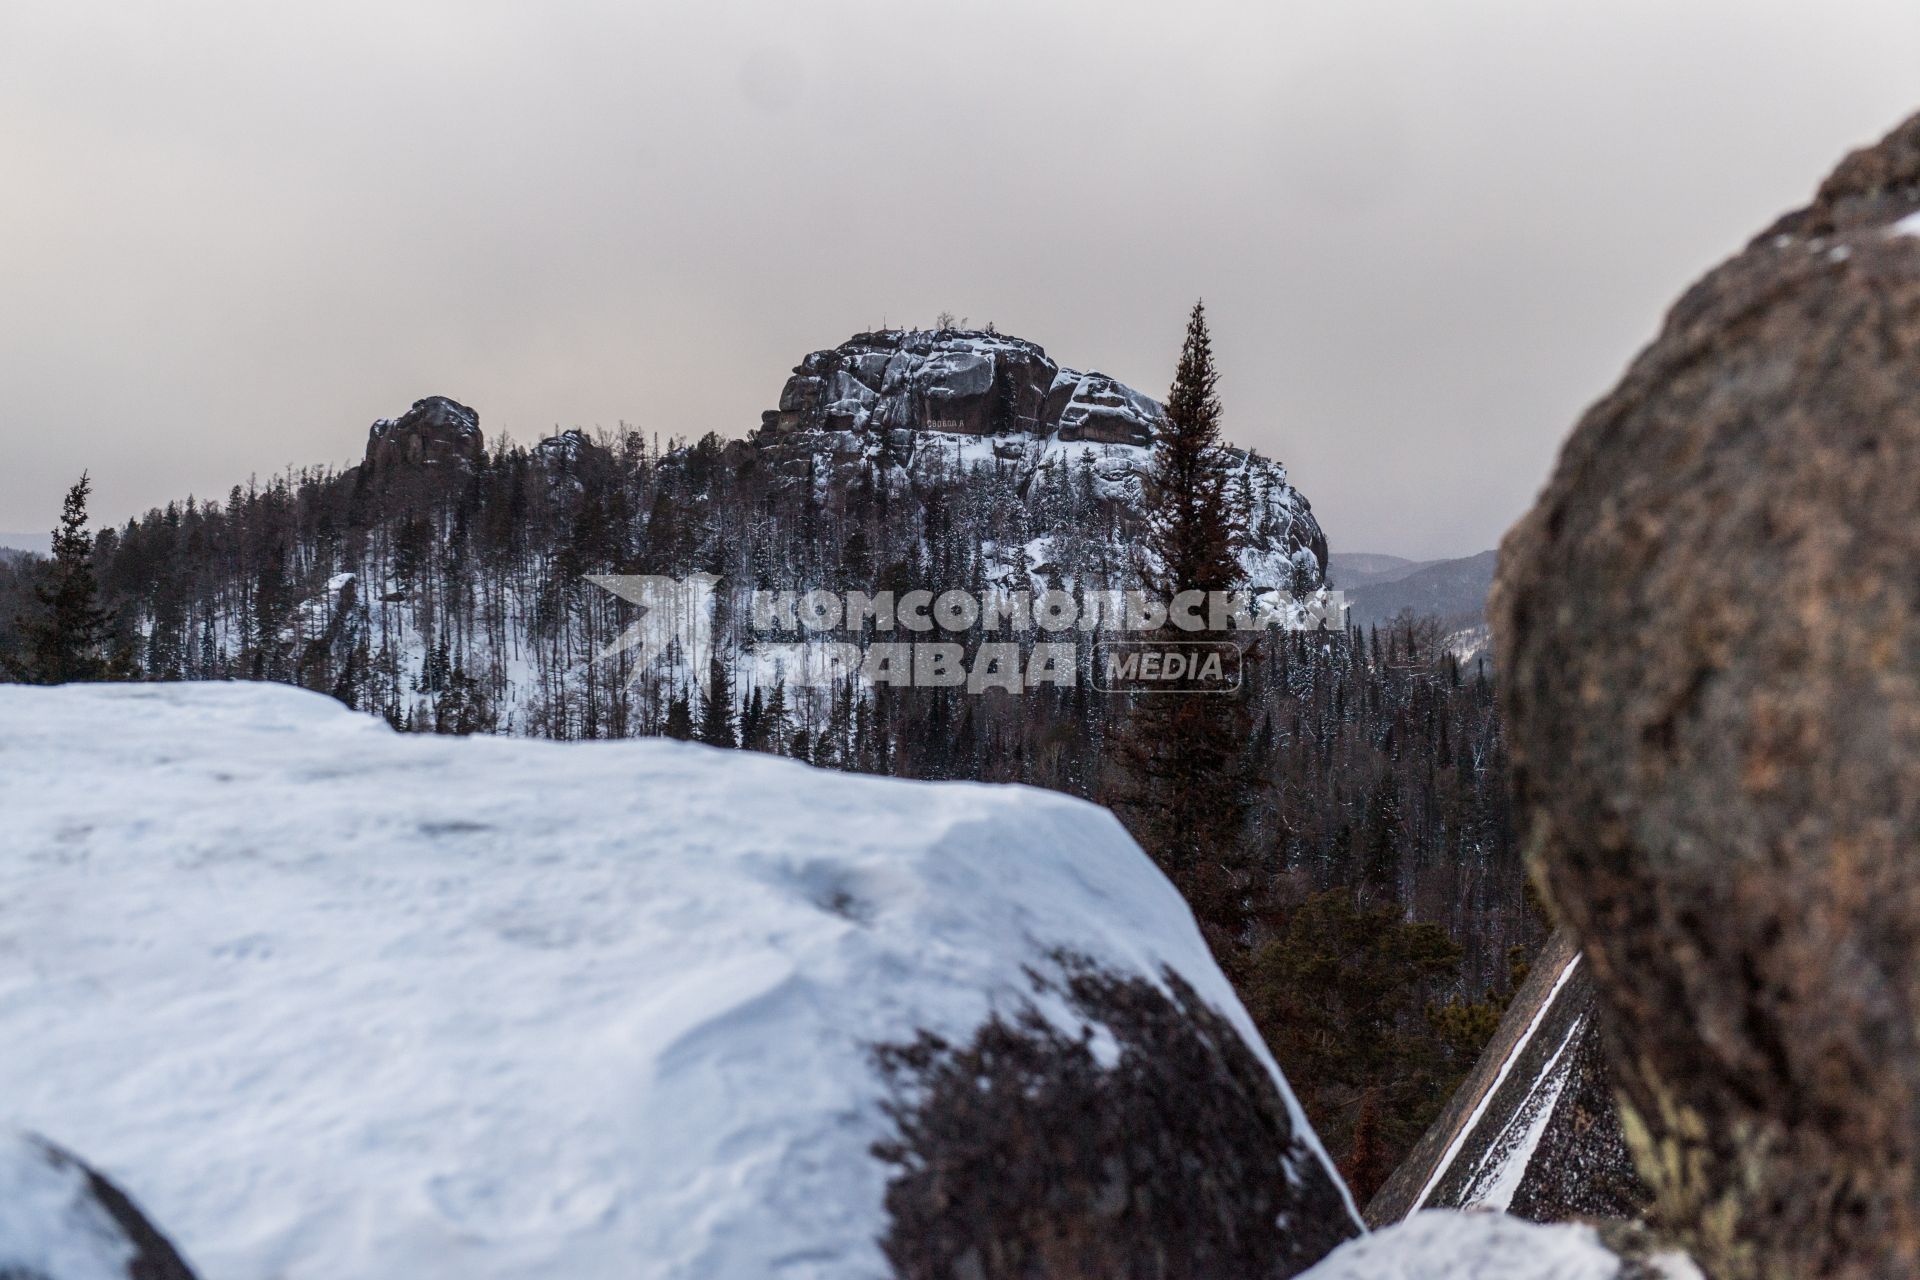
679	717
776	725
1194	525
716	719
1183	791
752	710
67	640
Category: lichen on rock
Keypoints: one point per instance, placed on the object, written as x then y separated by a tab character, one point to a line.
1148	1143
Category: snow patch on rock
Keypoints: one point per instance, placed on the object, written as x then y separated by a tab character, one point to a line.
344	1002
59	1220
1442	1245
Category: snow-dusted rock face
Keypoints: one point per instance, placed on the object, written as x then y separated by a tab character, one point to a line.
1037	1151
564	451
910	403
60	1220
342	1002
960	381
1533	1130
434	430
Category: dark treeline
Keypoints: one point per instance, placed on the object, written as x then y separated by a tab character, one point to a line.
1378	896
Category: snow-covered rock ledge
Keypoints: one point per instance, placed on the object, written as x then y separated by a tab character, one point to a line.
331	1001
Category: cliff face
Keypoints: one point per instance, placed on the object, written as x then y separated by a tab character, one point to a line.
963	381
914	406
434	430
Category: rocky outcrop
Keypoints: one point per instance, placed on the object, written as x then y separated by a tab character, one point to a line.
963	381
434	431
1533	1129
569	458
1029	1151
567	452
1709	632
907	405
60	1220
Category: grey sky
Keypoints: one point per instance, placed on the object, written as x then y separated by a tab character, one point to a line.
1429	231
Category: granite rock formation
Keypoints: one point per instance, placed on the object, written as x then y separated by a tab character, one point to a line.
910	404
435	430
964	381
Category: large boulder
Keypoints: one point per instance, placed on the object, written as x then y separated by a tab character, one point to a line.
373	1004
1709	629
60	1220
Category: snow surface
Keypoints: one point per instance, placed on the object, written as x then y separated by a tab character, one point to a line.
1443	1245
1907	226
332	1001
51	1224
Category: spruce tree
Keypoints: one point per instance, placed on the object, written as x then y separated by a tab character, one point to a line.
752	709
716	719
679	716
776	725
1194	527
67	640
1183	791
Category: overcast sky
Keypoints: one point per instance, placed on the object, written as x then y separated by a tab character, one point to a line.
1429	232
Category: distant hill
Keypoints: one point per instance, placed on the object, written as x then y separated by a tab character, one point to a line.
1380	587
1446	589
1350	569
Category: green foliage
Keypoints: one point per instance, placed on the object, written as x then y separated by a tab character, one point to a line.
1360	1009
679	717
1184	787
1195	525
716	716
67	637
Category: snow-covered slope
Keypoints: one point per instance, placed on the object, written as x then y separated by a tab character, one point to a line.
332	1001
